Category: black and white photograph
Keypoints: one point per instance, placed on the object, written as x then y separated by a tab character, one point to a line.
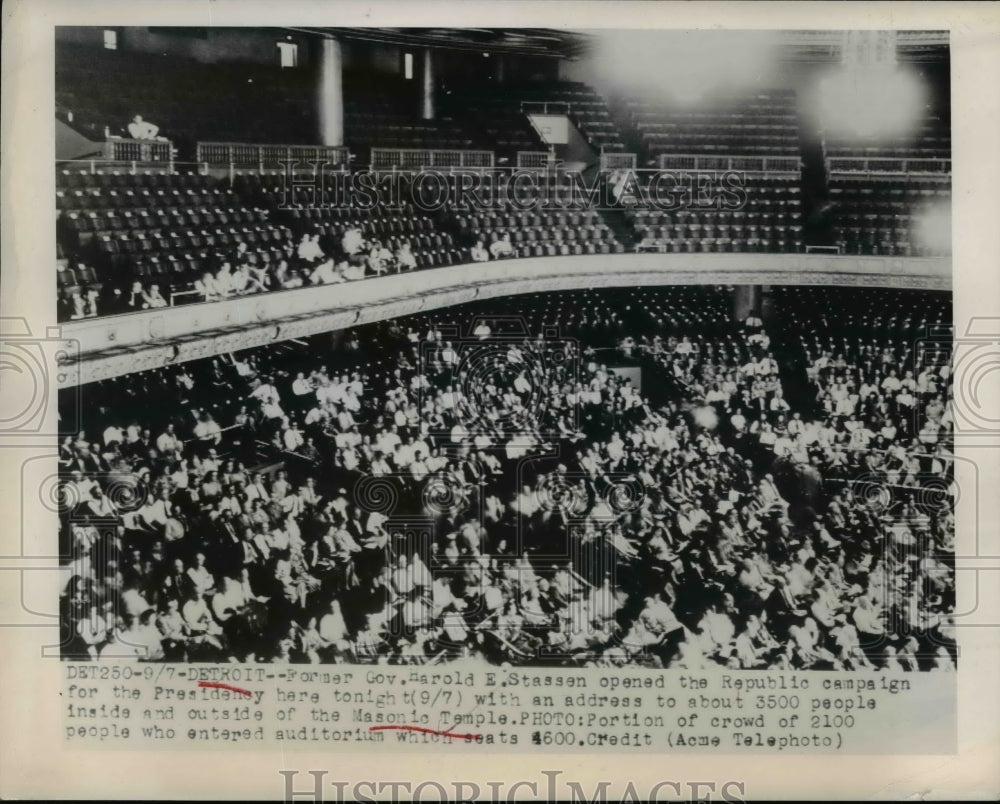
603	393
406	345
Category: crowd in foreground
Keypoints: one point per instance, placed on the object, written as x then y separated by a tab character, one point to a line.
416	496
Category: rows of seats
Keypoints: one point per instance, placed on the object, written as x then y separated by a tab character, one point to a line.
500	114
765	215
498	122
890	216
330	219
379	123
858	320
539	233
851	337
765	123
401	132
600	318
719	231
931	139
104	89
509	132
115	229
543	218
155	224
587	110
593	120
898	213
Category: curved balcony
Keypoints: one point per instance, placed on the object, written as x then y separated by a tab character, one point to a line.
116	345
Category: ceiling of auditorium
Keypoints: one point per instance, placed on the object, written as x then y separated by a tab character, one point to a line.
522	41
802	46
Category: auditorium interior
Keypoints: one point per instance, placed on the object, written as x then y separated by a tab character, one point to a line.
535	346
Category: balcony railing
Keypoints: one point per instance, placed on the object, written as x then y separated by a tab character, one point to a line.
534	159
423	158
121	149
546	107
241	155
888	166
122	344
617	161
745	164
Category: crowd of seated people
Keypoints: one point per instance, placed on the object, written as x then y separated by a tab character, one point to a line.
886	376
372	502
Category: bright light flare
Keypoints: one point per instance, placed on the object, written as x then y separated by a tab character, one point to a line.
932	229
874	103
685	66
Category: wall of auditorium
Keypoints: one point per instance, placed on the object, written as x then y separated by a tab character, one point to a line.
123	344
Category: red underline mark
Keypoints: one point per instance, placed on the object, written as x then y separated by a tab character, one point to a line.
220	686
422	730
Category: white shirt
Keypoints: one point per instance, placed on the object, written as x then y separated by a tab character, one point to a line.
143	130
309	250
166	442
352	241
501	248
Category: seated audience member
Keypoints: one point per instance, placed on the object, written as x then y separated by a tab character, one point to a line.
479	252
379	259
352	242
140	129
309	249
502	248
152	298
207	287
405	258
294	280
326	273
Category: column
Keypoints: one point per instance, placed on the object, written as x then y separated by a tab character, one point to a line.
746	300
427	88
330	93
